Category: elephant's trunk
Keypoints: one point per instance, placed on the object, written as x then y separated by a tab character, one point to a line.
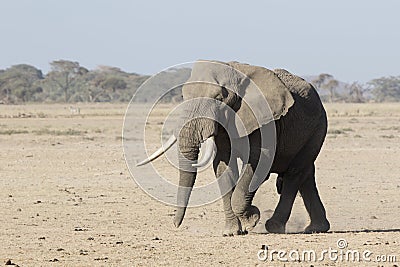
189	139
187	177
186	183
180	213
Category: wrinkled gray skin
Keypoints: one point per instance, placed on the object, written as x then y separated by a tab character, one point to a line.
300	123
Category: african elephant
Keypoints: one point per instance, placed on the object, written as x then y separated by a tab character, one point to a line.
288	104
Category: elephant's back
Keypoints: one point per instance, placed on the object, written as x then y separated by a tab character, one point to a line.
302	91
304	120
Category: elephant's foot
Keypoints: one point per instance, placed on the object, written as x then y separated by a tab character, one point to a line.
317	227
274	226
232	227
249	219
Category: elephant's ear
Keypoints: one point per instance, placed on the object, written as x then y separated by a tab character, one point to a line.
264	98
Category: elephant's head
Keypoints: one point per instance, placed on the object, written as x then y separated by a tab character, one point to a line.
215	91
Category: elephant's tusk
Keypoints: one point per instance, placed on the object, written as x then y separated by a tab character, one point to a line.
208	150
170	142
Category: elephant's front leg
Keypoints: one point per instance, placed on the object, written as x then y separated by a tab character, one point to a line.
226	172
250	179
241	201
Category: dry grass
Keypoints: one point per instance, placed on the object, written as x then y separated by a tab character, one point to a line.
13	131
362	109
46	131
61	110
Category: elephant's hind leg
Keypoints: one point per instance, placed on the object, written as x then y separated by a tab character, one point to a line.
289	188
314	205
279	184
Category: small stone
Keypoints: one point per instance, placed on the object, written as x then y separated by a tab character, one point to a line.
101	259
83	252
156	238
79	229
374	217
8	262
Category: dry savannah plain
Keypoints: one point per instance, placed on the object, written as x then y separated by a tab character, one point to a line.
67	197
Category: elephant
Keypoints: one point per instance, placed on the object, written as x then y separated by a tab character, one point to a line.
286	107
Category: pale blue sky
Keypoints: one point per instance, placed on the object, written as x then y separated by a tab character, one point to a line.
351	39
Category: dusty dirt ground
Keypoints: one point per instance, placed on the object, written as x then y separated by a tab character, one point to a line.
67	198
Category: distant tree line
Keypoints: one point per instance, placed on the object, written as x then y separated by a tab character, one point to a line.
68	81
384	89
